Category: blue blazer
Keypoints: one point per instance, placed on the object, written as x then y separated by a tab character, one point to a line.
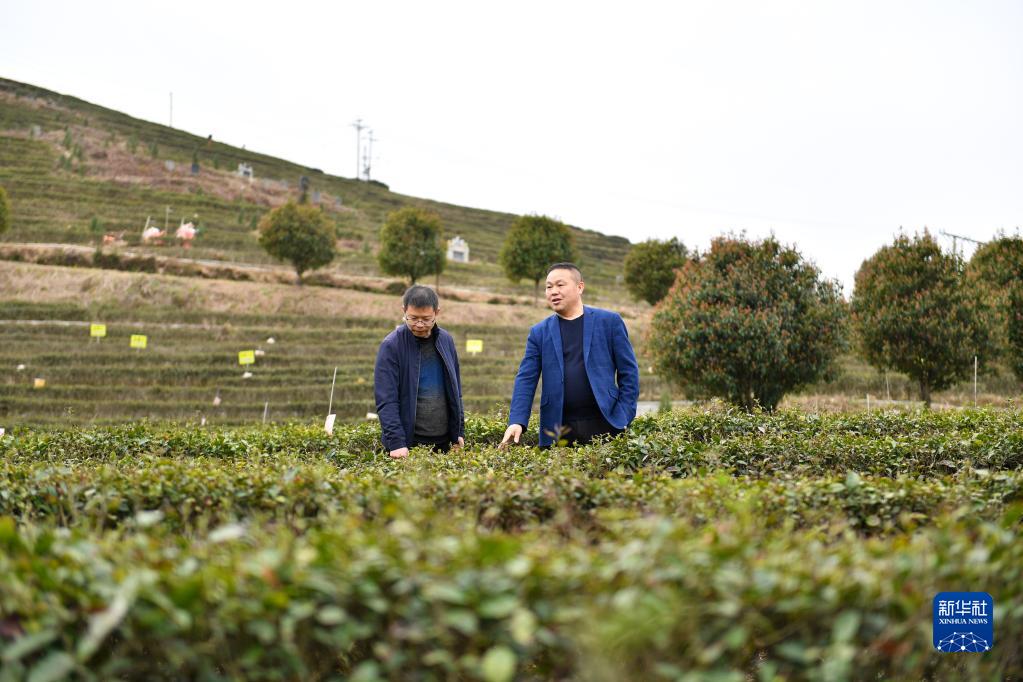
610	366
396	386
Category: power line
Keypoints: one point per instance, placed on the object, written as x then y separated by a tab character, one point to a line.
956	237
368	161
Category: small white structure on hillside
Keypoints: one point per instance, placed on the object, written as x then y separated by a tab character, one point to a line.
185	234
151	234
245	171
458	250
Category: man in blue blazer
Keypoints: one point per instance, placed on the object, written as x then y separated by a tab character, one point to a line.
590	375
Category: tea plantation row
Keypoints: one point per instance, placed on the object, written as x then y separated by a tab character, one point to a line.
699	545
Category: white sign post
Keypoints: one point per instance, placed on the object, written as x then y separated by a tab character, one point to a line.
328	425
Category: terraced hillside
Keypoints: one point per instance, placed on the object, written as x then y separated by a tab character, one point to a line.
75	171
190	362
196	328
194	333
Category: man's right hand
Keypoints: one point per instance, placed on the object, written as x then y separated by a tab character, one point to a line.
513	432
399	453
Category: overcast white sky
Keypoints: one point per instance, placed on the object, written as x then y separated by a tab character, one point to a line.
829	123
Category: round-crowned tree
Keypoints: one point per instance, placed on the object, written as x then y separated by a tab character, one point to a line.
410	244
998	263
1014	330
533	243
650	267
299	234
749	321
997	268
914	313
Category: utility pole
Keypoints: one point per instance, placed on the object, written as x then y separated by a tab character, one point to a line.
358	146
956	237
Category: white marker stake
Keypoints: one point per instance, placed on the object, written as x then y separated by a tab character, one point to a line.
974	380
266	408
328	425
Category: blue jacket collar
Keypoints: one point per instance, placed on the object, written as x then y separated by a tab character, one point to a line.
405	333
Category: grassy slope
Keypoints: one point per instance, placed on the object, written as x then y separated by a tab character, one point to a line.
118	179
196	328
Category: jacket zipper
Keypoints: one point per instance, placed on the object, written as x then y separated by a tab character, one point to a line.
415	346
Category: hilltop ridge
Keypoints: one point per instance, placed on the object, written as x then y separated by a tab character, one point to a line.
76	171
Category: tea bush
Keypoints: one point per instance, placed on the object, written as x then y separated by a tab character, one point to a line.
713	544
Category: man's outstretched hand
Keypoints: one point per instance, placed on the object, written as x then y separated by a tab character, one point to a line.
512	433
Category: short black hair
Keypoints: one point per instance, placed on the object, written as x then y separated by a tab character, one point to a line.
419	296
567	266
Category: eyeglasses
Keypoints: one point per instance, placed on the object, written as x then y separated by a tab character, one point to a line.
419	321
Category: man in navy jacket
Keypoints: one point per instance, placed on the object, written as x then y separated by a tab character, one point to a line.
417	381
590	375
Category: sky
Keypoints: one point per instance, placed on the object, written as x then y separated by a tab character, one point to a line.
831	125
